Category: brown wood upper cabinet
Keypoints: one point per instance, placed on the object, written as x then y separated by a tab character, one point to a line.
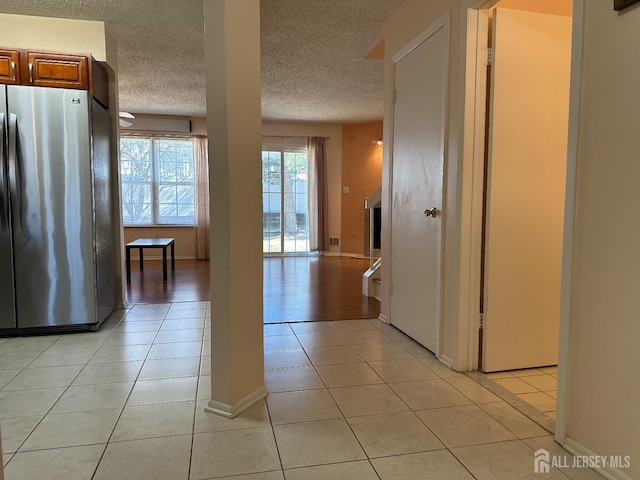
9	67
54	69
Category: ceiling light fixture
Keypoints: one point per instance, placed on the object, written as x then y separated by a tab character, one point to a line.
125	123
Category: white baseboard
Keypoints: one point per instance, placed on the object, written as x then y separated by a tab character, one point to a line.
609	473
231	411
445	360
383	318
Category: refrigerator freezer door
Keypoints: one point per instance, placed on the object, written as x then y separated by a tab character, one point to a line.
53	249
7	300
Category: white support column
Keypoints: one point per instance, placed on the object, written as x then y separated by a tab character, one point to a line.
1	462
232	59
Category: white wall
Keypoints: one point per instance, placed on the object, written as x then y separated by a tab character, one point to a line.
603	389
334	161
1	464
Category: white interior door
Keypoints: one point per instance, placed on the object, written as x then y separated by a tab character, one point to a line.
529	103
417	176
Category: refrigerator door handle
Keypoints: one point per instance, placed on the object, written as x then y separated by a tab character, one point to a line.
14	179
4	195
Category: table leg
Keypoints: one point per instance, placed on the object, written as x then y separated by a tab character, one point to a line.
141	259
128	255
164	262
173	257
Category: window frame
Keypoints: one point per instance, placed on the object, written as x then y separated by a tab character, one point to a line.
155	183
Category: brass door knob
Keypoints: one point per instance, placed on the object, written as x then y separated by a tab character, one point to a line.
431	212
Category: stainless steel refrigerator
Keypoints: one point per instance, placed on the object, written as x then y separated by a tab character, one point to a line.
57	255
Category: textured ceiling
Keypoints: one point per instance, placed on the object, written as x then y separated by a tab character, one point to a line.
313	66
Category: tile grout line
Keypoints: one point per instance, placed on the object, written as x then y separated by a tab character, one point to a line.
95	472
195	406
49	411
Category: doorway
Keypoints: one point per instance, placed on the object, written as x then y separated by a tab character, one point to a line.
527	131
521	131
285	211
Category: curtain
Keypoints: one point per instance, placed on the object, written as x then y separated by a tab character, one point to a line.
201	159
318	196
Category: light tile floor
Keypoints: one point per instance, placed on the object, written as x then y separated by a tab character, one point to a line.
536	386
354	399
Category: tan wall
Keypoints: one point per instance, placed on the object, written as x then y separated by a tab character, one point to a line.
603	382
334	160
362	173
411	19
185	240
71	36
554	7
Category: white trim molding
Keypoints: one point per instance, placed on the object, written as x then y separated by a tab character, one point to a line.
575	92
472	187
445	360
232	411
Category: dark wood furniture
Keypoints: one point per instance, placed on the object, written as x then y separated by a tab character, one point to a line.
142	243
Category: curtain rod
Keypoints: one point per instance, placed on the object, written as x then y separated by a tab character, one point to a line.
293	136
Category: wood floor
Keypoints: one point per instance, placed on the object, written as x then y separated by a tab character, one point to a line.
189	282
296	289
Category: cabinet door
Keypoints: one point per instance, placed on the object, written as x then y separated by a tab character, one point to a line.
9	67
56	70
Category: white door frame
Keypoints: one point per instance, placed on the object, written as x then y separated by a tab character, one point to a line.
442	22
474	35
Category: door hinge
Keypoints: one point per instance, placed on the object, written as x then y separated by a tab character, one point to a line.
489	53
390	288
395	97
481	322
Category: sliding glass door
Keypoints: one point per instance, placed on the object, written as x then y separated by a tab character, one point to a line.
285	214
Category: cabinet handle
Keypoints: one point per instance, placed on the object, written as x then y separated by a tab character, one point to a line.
13	71
30	72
